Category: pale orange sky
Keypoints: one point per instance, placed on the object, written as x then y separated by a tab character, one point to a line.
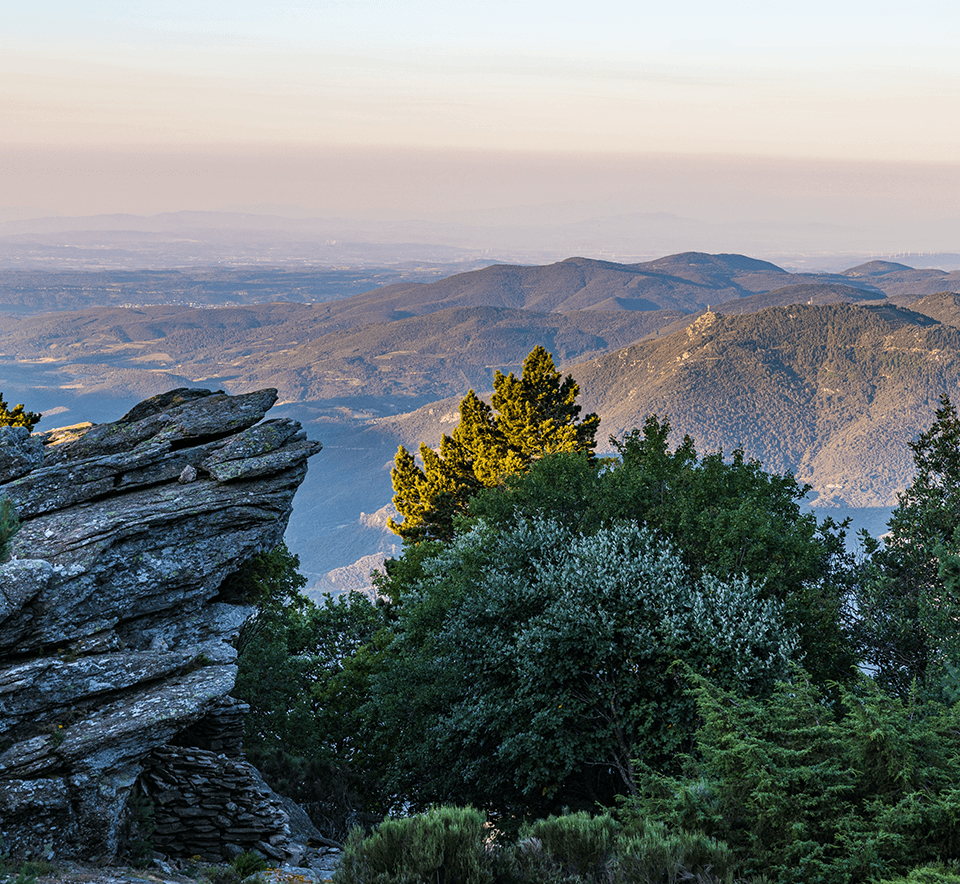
353	106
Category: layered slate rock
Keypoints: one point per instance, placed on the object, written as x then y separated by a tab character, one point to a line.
211	805
115	642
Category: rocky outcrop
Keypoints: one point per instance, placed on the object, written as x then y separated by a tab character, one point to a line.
19	452
115	640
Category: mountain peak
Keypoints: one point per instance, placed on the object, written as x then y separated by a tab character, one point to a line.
875	268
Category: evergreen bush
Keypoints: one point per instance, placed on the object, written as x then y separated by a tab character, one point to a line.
574	847
445	845
581	849
652	855
808	790
936	874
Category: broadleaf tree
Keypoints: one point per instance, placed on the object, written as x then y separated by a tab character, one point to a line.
303	668
726	516
533	664
531	416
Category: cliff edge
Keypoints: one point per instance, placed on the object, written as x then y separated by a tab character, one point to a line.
116	661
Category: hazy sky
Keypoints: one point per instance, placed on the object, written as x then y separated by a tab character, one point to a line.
423	105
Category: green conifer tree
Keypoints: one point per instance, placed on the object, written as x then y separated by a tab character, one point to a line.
533	415
909	607
537	412
17	416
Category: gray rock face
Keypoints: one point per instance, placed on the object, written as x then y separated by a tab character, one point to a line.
114	643
19	452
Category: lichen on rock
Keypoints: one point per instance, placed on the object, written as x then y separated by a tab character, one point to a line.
114	645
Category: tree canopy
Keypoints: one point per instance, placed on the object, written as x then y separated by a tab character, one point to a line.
662	630
303	668
533	664
725	516
17	416
531	416
911	602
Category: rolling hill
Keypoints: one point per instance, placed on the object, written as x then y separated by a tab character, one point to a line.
832	393
687	282
833	388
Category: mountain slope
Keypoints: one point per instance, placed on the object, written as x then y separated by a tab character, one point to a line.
899	279
441	354
834	392
384	367
687	282
830	392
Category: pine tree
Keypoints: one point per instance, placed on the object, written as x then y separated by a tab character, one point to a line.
537	412
533	415
911	604
17	416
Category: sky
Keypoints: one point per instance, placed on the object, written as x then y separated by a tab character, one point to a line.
348	106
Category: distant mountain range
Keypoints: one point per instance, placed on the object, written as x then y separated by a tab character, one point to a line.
828	375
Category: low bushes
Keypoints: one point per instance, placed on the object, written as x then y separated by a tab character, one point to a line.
449	845
444	845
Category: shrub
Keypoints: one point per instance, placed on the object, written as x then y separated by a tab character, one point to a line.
811	791
937	874
445	845
532	665
575	847
17	416
582	849
248	863
651	855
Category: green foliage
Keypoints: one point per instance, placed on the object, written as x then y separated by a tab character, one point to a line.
648	853
305	670
443	845
17	416
933	874
807	790
576	846
531	665
537	412
269	580
241	868
9	526
27	873
450	844
724	517
536	415
248	863
911	601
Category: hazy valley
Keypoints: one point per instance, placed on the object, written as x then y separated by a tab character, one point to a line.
831	388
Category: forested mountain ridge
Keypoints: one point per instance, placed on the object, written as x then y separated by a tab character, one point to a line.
383	367
687	282
832	393
899	279
365	387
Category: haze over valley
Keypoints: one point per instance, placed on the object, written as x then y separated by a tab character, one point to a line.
826	374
